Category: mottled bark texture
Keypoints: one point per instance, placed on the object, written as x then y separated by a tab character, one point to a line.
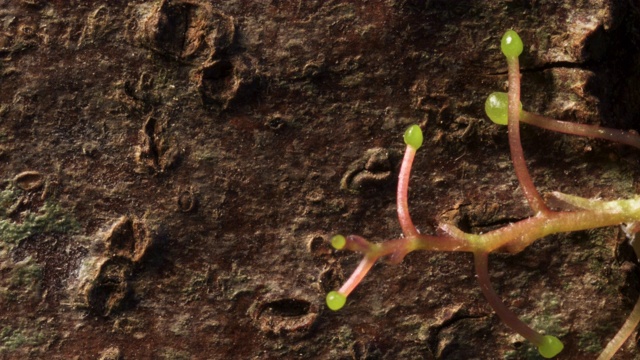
172	172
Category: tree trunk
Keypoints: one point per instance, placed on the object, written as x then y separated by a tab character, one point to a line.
173	172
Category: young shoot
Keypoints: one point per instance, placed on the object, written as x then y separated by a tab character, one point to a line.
335	300
338	242
496	109
503	109
413	137
511	44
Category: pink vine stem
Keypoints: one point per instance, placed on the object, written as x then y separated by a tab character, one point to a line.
517	155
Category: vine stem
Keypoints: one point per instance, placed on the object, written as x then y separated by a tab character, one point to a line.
408	229
592	131
623	334
517	154
507	316
358	274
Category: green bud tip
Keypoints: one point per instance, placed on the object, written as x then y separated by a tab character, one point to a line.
413	137
511	44
550	346
335	300
338	242
497	107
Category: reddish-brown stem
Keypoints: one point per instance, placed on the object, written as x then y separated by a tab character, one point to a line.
408	229
357	243
506	315
358	274
373	252
517	155
592	131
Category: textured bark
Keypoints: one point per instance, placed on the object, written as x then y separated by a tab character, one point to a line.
173	170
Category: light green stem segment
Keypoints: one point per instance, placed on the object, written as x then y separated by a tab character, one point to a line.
623	206
517	236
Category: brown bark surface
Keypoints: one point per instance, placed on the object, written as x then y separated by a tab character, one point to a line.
172	172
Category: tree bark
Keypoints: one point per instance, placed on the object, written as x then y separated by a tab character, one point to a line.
188	161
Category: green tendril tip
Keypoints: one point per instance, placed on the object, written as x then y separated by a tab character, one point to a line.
413	136
338	242
335	300
511	44
497	107
550	347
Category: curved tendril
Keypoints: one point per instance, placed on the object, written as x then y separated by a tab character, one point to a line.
413	139
623	334
512	47
548	346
